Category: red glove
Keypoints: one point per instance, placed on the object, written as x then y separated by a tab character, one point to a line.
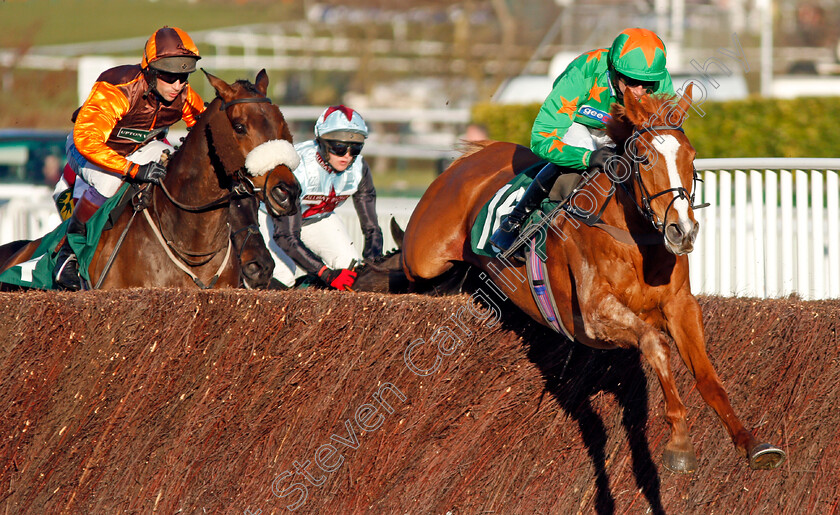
341	279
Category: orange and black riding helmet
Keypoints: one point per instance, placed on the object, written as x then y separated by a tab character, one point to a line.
172	50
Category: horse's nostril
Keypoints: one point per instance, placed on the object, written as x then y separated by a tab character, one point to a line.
279	194
673	233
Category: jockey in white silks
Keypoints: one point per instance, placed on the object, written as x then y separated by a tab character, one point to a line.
314	241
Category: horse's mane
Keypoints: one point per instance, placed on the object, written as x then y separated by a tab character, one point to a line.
251	88
656	110
468	148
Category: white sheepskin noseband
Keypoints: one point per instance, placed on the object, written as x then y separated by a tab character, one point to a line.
269	155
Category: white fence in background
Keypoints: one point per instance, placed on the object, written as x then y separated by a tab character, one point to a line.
26	212
771	230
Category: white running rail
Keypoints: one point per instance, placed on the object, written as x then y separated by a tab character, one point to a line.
771	230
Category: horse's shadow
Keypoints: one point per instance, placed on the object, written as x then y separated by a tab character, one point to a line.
574	374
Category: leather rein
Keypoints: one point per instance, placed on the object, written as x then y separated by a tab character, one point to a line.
242	187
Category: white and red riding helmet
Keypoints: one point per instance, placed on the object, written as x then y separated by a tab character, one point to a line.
341	123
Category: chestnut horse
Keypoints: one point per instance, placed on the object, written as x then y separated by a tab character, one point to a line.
241	142
609	293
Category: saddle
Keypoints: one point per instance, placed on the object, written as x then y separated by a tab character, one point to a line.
564	186
138	196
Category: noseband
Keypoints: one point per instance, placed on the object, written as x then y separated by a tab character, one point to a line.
680	192
243	177
242	186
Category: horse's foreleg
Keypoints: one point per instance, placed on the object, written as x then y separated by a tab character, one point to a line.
607	319
685	323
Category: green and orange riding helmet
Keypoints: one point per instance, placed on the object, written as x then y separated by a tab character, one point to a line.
637	56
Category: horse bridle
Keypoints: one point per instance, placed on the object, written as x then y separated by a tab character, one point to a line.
241	175
252	230
242	186
646	209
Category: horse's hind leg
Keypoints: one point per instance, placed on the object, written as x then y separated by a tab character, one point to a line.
685	323
607	319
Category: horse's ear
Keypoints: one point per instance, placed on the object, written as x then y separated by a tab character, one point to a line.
223	89
262	82
681	109
397	233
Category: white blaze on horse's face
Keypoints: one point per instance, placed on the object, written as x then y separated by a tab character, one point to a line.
679	234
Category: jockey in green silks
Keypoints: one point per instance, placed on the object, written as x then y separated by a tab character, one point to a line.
570	129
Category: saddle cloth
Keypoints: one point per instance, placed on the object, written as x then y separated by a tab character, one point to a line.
38	271
490	216
502	203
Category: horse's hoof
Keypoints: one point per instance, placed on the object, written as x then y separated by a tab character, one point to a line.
766	457
681	461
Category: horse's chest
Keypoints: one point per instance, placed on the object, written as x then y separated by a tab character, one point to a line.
633	285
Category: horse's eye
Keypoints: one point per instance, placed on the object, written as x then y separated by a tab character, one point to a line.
239	128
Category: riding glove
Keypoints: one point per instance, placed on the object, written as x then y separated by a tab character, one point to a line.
602	158
373	244
341	279
153	172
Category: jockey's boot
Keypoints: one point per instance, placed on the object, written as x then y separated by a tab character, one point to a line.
66	271
508	231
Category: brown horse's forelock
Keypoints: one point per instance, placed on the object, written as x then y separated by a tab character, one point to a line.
656	109
285	131
251	88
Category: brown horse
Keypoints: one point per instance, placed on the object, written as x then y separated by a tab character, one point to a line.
609	293
241	142
255	262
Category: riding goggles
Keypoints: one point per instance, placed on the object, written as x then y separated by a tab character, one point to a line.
171	78
650	86
340	148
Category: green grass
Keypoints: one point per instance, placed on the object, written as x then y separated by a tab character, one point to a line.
46	99
47	22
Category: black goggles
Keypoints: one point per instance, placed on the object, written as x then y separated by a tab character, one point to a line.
171	78
340	148
649	86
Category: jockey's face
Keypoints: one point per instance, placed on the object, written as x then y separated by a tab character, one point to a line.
638	88
342	153
340	163
170	85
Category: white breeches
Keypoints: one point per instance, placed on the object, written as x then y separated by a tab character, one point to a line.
105	182
327	238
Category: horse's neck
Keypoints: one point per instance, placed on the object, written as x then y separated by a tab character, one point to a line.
622	211
191	180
